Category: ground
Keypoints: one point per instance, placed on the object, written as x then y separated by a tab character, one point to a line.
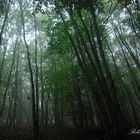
25	133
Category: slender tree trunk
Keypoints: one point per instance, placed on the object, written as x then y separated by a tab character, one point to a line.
35	125
36	79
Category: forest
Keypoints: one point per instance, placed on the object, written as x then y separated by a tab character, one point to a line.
69	69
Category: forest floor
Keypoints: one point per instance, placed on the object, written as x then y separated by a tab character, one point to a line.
22	133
